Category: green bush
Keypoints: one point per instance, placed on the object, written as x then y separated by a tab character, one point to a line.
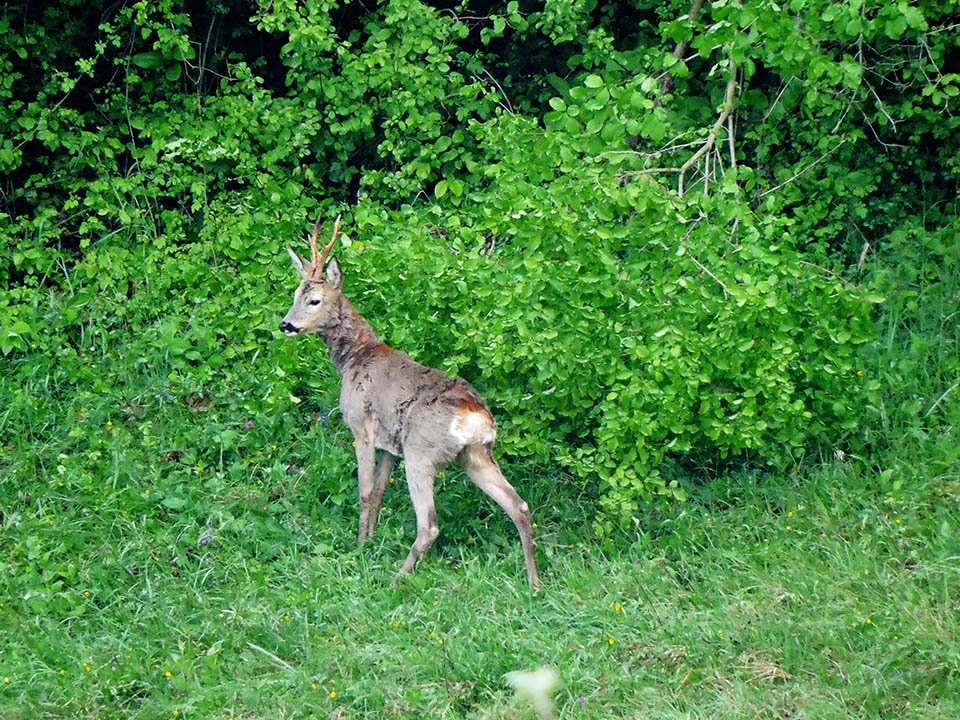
645	235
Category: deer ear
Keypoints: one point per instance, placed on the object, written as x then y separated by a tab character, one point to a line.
333	274
299	263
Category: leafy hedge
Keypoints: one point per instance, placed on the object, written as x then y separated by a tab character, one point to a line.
641	231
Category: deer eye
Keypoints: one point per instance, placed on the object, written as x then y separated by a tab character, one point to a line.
315	302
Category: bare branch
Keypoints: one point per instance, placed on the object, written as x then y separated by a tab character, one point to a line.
506	100
892	122
681	47
650	171
703	267
831	273
696	262
651	153
853	99
863	255
801	172
776	100
730	140
728	105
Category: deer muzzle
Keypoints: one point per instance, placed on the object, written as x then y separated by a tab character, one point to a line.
289	329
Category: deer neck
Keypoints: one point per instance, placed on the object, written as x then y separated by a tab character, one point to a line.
350	337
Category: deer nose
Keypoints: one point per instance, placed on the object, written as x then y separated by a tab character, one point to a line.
289	328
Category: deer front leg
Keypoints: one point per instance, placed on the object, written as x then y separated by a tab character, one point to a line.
380	477
420	482
366	450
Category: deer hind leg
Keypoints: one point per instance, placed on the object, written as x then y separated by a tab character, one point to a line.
483	470
366	485
380	476
420	481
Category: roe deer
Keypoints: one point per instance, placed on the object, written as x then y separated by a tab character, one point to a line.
401	408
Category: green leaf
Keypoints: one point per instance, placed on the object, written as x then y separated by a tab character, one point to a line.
896	27
913	17
441	189
593	81
173	502
653	127
852	75
147	60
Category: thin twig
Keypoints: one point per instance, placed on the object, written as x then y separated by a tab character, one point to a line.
831	272
893	123
843	115
706	173
801	172
649	171
697	262
508	107
652	153
776	100
703	267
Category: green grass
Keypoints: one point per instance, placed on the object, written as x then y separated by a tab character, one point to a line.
162	559
177	540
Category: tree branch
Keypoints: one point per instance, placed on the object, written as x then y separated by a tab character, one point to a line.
681	47
712	137
649	171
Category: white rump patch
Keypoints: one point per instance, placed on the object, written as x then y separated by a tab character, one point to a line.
472	429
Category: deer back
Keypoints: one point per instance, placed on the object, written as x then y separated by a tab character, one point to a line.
410	408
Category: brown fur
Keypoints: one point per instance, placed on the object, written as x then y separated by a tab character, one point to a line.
403	409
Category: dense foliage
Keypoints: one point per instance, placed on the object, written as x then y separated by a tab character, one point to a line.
653	234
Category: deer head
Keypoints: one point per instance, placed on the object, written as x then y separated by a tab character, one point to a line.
315	301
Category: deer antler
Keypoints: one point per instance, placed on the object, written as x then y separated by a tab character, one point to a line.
317	259
314	255
333	239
